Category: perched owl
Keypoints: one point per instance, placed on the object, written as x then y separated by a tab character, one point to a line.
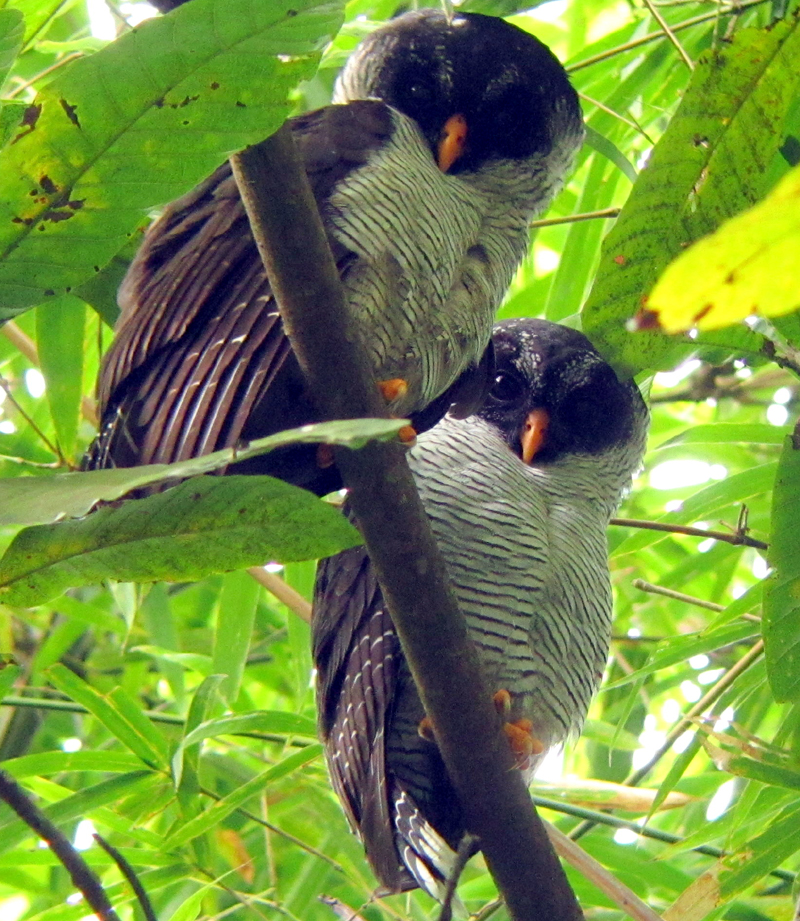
446	138
519	497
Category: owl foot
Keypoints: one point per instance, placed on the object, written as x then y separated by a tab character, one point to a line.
425	729
394	388
524	744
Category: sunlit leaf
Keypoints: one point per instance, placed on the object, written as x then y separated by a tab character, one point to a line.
732	114
745	267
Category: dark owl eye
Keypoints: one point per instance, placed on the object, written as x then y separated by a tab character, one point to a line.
507	388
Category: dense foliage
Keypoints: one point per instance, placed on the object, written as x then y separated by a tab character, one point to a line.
177	718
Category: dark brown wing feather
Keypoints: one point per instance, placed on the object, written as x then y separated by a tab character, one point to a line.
200	359
357	655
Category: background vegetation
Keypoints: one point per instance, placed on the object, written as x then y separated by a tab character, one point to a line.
114	715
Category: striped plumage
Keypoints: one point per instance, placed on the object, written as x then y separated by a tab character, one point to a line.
200	360
525	546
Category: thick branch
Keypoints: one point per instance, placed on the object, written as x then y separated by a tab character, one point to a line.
498	809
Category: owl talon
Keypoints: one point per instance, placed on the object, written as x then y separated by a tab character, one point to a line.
502	702
524	745
425	729
393	389
408	436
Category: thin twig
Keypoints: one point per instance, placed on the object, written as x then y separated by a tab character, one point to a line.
574	218
23	342
130	875
67	59
49	444
737	537
84	879
283	592
614	114
644	831
656	36
688	599
623	897
670	34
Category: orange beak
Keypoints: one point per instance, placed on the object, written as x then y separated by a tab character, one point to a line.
534	433
452	142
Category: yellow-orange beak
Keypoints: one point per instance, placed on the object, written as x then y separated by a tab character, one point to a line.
534	433
452	142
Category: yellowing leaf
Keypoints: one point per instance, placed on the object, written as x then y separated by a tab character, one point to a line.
747	266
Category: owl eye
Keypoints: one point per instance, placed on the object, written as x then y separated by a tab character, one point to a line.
507	388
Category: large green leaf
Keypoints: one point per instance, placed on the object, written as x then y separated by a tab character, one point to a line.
29	500
12	28
708	166
204	525
782	588
139	123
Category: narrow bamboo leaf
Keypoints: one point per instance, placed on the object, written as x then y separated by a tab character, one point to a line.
263	721
762	854
132	713
191	907
728	433
205	697
12	29
60	326
139	123
743	268
611	736
117	718
782	588
762	771
45	763
610	150
91	615
682	648
40	500
80	805
216	813
677	770
235	616
202	526
194	660
733	112
158	616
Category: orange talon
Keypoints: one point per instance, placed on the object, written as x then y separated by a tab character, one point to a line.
393	389
502	702
407	435
425	729
524	745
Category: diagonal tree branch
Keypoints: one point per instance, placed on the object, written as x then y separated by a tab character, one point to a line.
498	808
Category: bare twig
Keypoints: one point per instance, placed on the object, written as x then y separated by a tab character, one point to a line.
623	897
290	237
736	537
656	36
670	34
283	592
23	342
688	599
130	875
574	218
67	59
86	882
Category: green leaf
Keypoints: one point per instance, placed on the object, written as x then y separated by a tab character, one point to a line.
45	763
118	713
733	113
59	337
201	526
40	500
782	588
224	807
271	722
203	700
139	123
12	29
745	267
235	616
80	805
